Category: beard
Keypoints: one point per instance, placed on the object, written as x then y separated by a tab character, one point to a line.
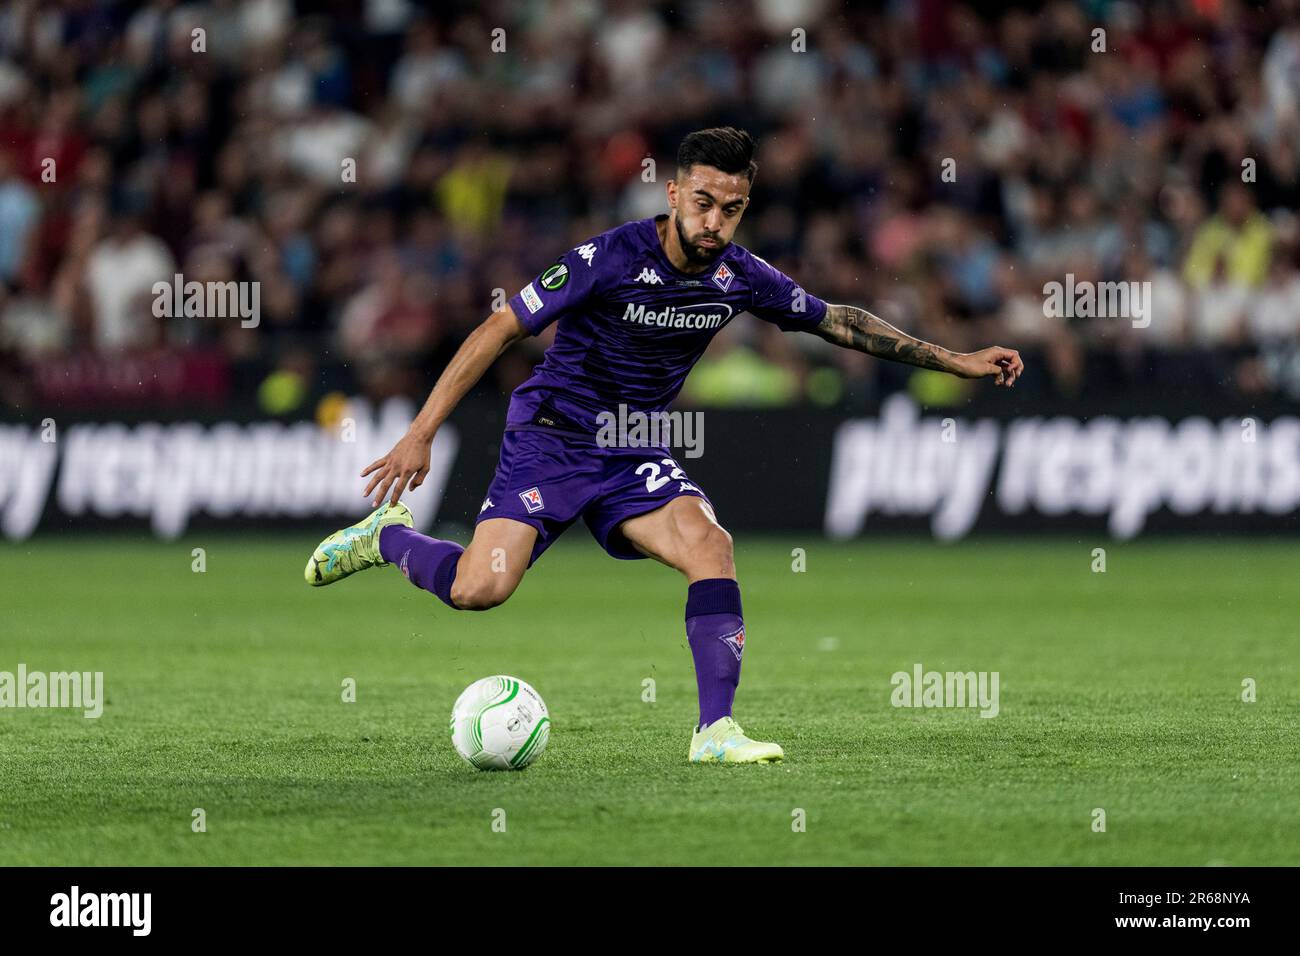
700	255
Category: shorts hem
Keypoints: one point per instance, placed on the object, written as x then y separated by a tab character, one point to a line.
631	553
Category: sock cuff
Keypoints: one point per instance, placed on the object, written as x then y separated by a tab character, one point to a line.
713	596
445	574
394	546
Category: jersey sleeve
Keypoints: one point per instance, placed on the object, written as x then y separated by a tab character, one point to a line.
780	300
564	286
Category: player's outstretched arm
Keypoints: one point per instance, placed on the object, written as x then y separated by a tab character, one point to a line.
408	462
858	329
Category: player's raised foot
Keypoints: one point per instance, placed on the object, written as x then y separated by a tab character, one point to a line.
724	742
356	548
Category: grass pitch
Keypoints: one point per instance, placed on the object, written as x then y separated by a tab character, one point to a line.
1120	691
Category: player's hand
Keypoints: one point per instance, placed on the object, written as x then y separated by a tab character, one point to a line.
1004	364
405	466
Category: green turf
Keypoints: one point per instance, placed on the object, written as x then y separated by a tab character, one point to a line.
1119	691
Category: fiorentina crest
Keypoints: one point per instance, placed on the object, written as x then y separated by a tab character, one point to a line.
723	276
532	499
735	641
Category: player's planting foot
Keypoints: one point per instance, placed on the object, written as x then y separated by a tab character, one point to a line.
356	548
724	742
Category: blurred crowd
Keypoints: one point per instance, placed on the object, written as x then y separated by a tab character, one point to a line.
388	171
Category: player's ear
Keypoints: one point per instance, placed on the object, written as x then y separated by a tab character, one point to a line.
671	188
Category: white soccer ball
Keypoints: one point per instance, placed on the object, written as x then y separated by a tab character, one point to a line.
500	723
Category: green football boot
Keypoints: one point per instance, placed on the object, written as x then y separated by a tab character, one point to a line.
724	742
354	549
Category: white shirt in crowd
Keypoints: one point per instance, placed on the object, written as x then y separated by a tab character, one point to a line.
1275	314
120	277
1218	310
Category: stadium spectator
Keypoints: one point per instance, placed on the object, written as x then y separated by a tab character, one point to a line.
382	171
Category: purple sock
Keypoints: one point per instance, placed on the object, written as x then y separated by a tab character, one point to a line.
715	629
427	562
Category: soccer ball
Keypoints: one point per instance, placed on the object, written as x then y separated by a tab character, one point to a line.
500	723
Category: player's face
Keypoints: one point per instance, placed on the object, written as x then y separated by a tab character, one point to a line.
708	205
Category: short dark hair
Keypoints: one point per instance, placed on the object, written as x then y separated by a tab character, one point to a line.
724	147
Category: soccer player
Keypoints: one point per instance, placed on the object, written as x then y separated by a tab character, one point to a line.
636	307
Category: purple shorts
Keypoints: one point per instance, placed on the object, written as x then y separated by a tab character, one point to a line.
546	479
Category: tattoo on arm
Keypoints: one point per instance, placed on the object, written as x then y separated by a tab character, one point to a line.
858	329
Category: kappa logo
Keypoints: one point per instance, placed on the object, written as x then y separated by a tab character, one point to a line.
722	276
487	503
532	499
650	277
736	641
587	251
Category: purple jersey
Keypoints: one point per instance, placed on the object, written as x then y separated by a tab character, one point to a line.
632	326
